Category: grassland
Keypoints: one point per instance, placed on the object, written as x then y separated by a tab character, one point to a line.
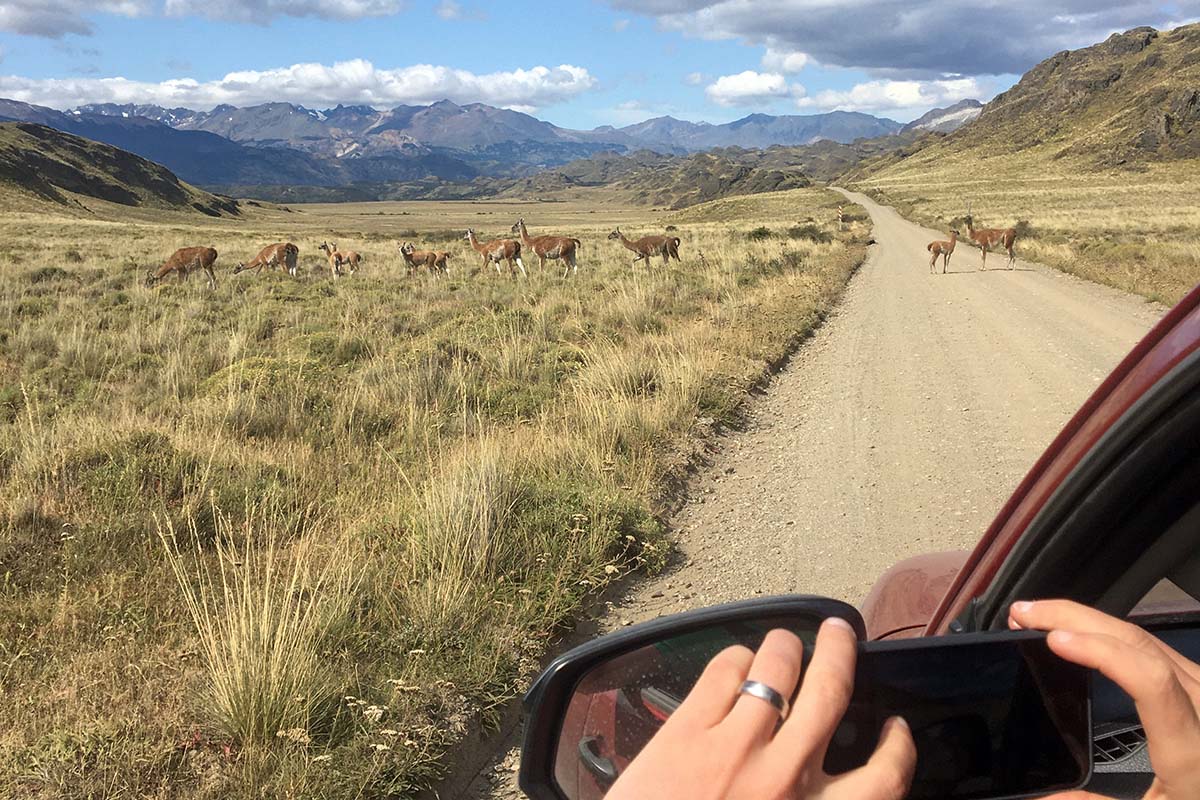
1135	230
293	537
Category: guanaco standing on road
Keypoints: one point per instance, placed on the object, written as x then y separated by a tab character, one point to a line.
283	254
649	246
498	250
987	238
943	249
184	261
550	247
339	257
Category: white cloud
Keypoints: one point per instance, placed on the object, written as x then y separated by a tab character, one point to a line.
888	96
356	82
621	25
788	61
916	38
695	78
452	10
56	18
751	88
265	10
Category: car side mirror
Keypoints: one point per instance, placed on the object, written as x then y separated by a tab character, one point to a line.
594	708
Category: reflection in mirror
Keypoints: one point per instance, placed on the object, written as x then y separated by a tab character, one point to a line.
620	704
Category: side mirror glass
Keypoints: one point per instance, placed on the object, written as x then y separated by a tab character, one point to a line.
595	708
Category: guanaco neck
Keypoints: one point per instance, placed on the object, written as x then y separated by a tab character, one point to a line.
625	241
524	233
475	245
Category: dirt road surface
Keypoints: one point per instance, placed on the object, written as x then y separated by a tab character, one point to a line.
899	429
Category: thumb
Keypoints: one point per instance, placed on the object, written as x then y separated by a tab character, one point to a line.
889	773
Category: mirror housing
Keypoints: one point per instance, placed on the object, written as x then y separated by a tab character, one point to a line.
548	700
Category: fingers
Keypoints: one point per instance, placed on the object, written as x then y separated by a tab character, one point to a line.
1148	676
824	696
777	665
710	700
1047	615
889	773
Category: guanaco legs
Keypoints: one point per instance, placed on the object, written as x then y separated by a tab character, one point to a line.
283	254
434	261
551	247
183	261
498	250
943	249
339	257
649	246
987	238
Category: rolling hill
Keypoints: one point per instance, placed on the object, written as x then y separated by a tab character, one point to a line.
1132	99
675	182
62	168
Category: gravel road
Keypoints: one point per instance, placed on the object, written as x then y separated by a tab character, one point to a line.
899	429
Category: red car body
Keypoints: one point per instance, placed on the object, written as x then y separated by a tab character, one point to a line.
921	596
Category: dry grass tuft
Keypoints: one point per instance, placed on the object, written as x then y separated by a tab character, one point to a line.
264	616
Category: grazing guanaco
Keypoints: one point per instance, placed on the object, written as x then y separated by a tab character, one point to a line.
443	261
183	261
551	247
649	246
498	250
283	254
988	238
339	257
417	259
943	249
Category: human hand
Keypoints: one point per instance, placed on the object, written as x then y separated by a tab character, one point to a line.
1164	686
723	745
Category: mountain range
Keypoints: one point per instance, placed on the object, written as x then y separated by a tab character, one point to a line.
278	145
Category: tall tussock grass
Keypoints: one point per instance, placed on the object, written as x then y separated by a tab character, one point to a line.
265	612
460	534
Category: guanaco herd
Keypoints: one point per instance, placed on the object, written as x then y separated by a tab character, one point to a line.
285	255
986	238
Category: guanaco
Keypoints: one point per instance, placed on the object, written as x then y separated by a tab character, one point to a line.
550	247
649	246
498	250
417	259
183	261
283	254
987	238
943	249
339	257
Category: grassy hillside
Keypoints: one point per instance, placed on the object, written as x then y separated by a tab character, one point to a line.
659	180
1095	151
60	169
292	537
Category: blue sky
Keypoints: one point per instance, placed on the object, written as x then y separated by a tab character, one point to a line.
577	63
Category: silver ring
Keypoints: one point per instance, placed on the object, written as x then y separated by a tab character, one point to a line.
767	694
